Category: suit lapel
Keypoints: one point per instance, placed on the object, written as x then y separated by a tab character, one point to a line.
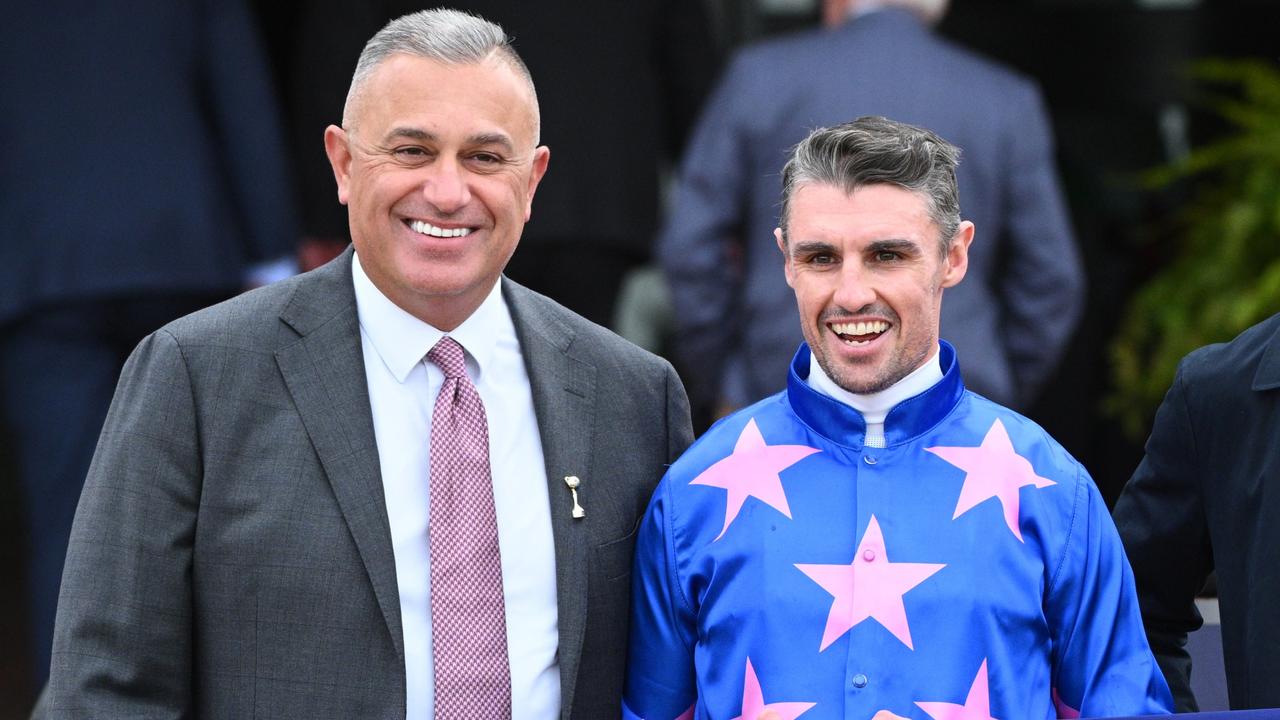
564	389
324	371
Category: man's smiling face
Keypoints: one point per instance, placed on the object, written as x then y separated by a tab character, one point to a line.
868	272
438	167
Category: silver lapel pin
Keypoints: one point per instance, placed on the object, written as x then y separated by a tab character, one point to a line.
572	481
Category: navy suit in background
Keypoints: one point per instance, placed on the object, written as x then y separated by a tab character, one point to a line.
1206	498
737	319
143	173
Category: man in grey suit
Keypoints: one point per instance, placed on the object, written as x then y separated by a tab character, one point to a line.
252	540
736	318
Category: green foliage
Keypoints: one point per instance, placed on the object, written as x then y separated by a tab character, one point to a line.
1224	275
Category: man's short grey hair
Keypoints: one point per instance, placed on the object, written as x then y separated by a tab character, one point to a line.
878	151
447	36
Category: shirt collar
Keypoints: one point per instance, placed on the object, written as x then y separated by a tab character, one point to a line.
908	419
875	406
402	340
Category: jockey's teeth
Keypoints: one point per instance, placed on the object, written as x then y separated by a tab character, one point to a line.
875	327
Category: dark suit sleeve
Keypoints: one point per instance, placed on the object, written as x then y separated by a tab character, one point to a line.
123	643
1161	520
1042	286
697	242
244	114
687	64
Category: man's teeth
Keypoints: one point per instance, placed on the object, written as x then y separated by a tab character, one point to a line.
875	327
433	231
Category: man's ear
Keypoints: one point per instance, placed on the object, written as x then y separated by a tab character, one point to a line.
541	156
337	147
956	263
787	270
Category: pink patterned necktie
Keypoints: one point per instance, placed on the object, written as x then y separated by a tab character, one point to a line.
468	627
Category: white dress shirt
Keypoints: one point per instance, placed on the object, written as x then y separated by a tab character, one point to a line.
402	392
874	407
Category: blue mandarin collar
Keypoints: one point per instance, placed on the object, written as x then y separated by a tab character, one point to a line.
844	425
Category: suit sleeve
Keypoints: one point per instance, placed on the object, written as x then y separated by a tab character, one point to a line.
242	101
1041	289
123	639
687	60
1102	666
660	673
679	424
697	245
1160	515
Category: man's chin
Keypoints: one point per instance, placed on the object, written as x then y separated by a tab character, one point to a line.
861	378
870	387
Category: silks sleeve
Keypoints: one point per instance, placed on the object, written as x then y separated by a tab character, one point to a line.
1102	665
660	672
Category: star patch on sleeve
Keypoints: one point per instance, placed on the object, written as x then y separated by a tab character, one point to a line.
992	470
751	470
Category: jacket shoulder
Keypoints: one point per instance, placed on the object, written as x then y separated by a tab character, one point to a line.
577	335
1028	438
255	319
770	414
1230	362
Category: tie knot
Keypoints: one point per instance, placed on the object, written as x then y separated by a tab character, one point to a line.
447	355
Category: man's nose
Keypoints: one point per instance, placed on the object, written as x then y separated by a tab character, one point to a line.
445	186
854	289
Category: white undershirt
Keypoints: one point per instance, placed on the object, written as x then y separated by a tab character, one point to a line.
874	407
402	392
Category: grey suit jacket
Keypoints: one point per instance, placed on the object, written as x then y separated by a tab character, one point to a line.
231	555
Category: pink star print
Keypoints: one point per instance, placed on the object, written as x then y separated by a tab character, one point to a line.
753	701
869	587
752	471
992	470
977	706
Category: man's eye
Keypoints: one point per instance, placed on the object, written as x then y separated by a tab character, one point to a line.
486	158
822	259
410	152
887	256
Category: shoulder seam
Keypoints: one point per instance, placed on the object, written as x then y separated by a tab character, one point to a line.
1071	530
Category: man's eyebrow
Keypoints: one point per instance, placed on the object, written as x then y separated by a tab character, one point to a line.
411	133
495	138
812	247
892	244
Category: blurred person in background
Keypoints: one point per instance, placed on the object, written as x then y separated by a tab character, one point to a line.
735	316
1205	499
144	177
